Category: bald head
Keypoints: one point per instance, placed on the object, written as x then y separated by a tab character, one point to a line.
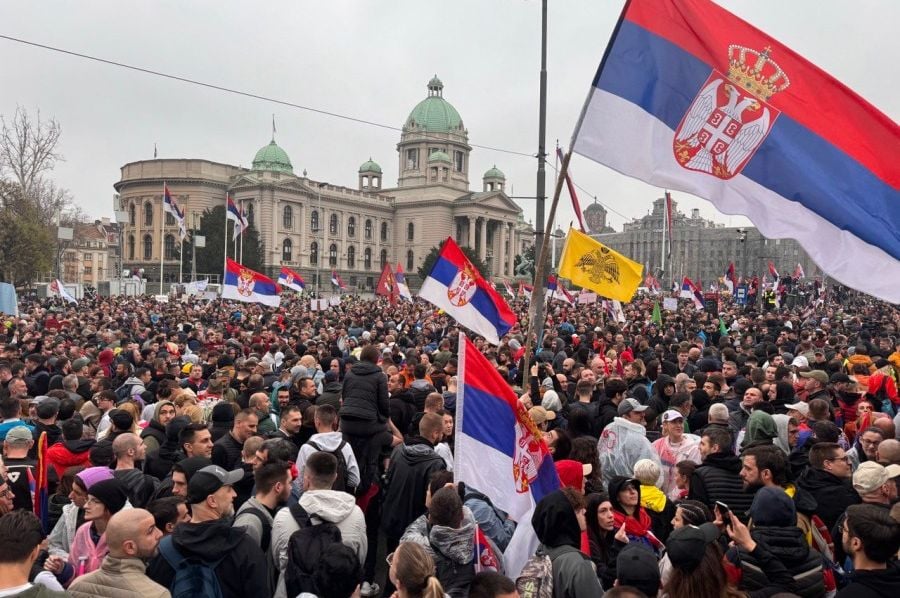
124	443
259	401
888	452
886	425
132	533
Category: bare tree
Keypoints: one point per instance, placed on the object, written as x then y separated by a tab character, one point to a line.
28	148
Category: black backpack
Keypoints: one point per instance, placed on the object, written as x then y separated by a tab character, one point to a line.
266	538
342	482
305	549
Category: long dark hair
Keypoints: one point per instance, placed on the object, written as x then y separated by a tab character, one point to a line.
600	540
708	580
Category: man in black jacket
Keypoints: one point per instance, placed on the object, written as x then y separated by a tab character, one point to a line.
227	449
412	464
240	565
718	478
828	480
871	537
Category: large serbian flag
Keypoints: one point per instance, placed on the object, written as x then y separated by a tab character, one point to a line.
690	97
499	451
402	287
243	284
291	279
456	286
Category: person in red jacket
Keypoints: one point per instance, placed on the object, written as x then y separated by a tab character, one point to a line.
72	450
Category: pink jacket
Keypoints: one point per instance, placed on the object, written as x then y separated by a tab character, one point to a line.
84	555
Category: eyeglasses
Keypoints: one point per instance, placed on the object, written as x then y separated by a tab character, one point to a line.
845	459
389	558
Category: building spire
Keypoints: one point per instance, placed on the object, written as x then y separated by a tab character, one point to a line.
273	128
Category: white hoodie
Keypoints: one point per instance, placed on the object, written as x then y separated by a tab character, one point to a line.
322	505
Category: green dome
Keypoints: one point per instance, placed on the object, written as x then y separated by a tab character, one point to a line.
370	166
438	156
494	173
434	113
272	157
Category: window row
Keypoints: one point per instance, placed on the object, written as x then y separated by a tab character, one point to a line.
170	221
287	222
287	255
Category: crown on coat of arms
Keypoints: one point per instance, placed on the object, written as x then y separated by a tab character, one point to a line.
755	71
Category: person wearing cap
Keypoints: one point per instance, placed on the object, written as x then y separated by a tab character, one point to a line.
636	567
624	441
332	387
774	524
871	537
815	383
541	417
209	538
10	411
133	539
875	483
105	498
572	473
20	467
45	415
154	435
697	568
558	521
37	378
632	521
673	447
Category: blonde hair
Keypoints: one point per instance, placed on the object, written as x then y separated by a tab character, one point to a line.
194	412
415	571
646	472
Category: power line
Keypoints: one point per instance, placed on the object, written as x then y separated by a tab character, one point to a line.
257	96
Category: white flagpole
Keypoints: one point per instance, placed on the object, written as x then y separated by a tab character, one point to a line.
225	244
181	261
162	246
241	260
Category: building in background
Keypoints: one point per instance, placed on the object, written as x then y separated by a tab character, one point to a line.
313	226
86	259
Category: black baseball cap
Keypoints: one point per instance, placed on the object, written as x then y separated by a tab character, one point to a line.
686	546
839	377
636	566
209	479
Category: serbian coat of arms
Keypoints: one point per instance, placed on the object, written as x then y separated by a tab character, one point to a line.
730	117
245	283
462	288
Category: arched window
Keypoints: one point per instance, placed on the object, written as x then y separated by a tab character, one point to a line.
250	214
287	218
384	231
351	257
410	232
383	258
367	258
131	244
148	247
332	255
313	253
351	226
314	220
368	230
132	220
170	220
409	261
148	214
169	247
287	247
333	224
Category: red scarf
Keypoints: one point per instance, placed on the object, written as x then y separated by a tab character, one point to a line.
638	526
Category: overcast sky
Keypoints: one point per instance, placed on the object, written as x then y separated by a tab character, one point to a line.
369	60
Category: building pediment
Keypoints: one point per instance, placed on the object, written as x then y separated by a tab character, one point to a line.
495	200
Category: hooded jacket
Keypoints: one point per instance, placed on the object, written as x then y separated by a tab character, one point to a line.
621	445
873	583
135	386
60	538
331	395
412	464
70	453
118	578
450	548
832	494
718	478
365	394
334	506
788	545
242	571
328	442
556	526
154	435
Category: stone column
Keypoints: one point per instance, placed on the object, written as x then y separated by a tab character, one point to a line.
482	239
502	257
471	220
512	250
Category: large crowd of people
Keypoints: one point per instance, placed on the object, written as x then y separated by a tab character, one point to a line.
210	448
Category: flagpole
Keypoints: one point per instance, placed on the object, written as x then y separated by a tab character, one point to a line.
162	246
241	238
225	244
540	271
662	251
181	262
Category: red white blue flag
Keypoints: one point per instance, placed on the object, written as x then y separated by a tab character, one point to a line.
456	286
249	286
773	271
170	206
337	281
234	214
730	278
689	290
690	97
402	287
499	451
291	279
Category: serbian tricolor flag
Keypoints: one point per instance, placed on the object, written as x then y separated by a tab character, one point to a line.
233	213
499	451
337	281
39	483
402	287
291	279
651	283
525	290
509	290
170	206
690	97
689	290
249	286
730	278
556	290
798	271
457	287
773	271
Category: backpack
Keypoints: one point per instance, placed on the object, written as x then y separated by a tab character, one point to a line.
536	578
193	579
305	548
266	538
454	578
342	481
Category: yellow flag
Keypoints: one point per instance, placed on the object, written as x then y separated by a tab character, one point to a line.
590	264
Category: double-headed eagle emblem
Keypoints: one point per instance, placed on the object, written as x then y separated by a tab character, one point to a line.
600	265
